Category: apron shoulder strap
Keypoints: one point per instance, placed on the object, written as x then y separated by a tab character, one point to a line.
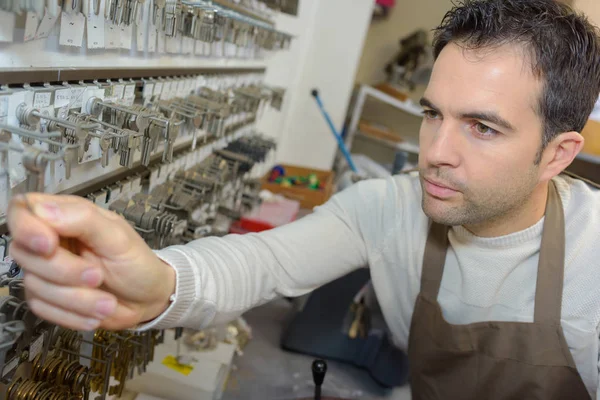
575	176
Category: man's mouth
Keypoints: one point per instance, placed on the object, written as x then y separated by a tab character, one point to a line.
438	189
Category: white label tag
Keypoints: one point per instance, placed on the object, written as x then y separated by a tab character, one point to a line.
173	44
10	366
188	45
95	28
181	88
41	99
46	25
72	27
32	21
7	26
111	36
77	97
129	95
94	152
36	347
152	39
4	101
117	92
161	42
166	92
158	88
125	37
148	90
62	97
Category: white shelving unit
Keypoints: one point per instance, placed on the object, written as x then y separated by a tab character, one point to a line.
364	93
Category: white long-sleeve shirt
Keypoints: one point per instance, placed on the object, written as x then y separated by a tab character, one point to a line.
380	224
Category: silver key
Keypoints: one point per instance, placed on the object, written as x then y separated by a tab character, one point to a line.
105	142
35	164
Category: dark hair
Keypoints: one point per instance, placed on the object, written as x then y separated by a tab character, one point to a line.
564	48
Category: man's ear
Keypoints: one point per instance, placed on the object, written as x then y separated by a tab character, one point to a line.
560	153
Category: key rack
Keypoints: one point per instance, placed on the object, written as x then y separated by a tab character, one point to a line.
148	108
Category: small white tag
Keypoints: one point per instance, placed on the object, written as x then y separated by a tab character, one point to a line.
161	42
72	27
111	36
46	25
117	92
158	88
77	97
181	88
141	38
125	37
62	97
10	366
188	45
4	101
129	95
173	44
166	92
7	26
148	90
94	152
95	28
32	21
41	99
152	39
36	347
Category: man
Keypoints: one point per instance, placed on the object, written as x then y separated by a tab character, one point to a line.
487	257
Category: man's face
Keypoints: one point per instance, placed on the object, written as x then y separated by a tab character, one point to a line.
480	135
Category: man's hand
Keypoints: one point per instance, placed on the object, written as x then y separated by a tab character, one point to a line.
114	282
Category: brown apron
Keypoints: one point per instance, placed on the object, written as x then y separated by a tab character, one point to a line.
495	360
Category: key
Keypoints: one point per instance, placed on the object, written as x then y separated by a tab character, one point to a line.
68	159
146	147
171	133
105	144
35	164
157	11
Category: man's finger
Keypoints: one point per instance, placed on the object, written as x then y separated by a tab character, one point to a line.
62	267
29	231
91	303
61	317
76	217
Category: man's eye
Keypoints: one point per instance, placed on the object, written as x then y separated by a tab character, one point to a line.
430	114
484	130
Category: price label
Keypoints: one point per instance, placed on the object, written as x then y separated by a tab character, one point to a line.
62	97
32	21
161	42
41	99
72	27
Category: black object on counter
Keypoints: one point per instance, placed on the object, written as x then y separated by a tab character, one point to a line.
319	369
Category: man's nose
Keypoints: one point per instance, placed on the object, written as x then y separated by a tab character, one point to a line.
445	146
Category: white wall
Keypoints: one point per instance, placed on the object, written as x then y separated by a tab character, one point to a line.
324	56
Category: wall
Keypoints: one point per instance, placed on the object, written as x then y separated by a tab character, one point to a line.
324	56
383	38
591	8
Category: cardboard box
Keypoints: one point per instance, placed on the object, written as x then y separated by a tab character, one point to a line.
591	133
308	198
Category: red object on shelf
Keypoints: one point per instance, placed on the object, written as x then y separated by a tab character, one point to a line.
269	215
386	3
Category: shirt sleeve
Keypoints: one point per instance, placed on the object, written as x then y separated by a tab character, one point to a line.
217	279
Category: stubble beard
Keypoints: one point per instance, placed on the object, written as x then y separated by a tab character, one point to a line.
481	207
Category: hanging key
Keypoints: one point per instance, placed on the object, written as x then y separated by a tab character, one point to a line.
158	7
172	132
105	142
35	163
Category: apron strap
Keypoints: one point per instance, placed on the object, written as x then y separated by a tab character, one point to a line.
550	275
589	182
434	259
